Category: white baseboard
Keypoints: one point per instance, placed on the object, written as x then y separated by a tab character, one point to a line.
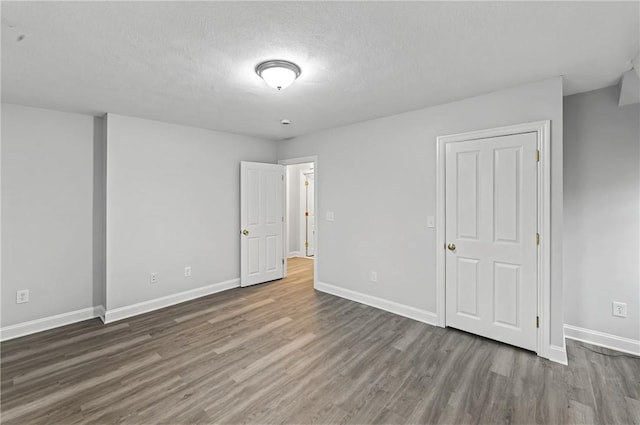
46	323
120	313
294	254
601	339
101	312
558	354
390	306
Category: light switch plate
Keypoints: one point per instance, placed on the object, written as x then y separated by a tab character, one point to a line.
330	216
619	309
431	221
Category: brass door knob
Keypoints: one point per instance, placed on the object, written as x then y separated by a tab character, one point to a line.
452	247
245	232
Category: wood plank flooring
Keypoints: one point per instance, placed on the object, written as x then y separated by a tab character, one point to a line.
283	353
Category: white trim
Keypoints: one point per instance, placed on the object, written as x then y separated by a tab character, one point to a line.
296	161
543	130
101	311
558	354
169	300
390	306
46	323
294	254
304	160
602	339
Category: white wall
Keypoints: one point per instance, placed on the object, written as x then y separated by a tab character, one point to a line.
294	212
379	177
47	210
172	201
602	215
100	212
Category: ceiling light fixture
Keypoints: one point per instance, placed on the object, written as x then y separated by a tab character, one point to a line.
279	74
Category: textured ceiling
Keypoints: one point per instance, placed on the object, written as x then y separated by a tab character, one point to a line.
193	63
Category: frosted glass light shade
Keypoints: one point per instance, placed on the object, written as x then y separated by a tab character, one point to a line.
278	74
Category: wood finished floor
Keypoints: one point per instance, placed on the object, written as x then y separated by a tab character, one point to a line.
284	353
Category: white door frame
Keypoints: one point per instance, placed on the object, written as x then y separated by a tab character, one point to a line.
295	161
542	129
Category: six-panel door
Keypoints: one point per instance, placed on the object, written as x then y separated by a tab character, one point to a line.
491	219
261	222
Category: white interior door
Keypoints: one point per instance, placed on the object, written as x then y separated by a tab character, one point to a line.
491	236
310	214
262	222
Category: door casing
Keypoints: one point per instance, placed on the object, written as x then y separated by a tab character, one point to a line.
316	257
542	130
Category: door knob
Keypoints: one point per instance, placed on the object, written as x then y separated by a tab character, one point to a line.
245	232
452	247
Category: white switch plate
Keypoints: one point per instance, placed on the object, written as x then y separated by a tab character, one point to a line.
187	271
154	277
329	215
619	309
374	276
431	221
22	296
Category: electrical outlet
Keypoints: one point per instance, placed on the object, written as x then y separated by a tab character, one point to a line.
619	309
22	296
187	271
374	276
154	277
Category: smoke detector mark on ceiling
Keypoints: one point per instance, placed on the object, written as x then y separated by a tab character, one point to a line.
20	37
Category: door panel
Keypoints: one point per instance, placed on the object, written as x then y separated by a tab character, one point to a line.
467	287
253	257
261	221
505	293
491	217
467	198
506	171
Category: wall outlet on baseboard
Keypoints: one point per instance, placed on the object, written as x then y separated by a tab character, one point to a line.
154	277
22	296
374	276
619	309
187	271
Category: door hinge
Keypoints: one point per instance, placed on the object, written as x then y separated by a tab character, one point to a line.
537	238
537	322
306	244
282	177
306	213
283	219
283	261
538	155
306	183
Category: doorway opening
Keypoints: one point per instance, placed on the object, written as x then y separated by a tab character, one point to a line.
299	210
300	241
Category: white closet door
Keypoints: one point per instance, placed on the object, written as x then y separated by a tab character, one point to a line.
491	228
